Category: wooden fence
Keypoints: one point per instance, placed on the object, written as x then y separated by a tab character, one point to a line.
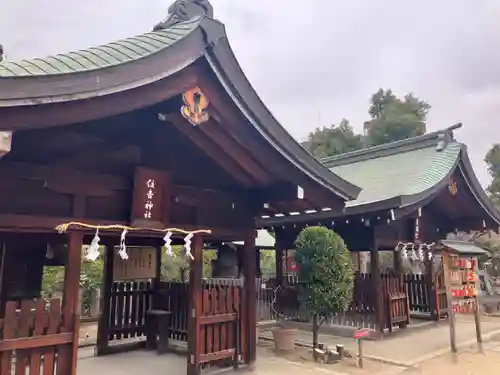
129	302
220	325
360	312
36	338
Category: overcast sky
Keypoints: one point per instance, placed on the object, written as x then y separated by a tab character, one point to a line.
315	61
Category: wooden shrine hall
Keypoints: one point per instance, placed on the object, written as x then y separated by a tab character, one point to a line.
150	141
415	193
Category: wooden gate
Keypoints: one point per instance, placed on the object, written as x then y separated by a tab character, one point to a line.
427	301
219	325
173	296
37	339
395	298
124	314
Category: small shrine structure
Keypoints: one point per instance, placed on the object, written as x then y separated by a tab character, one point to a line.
414	193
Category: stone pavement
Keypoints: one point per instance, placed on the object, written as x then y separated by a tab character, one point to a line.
403	349
410	348
149	363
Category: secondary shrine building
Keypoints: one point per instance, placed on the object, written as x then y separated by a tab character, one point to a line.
415	192
145	143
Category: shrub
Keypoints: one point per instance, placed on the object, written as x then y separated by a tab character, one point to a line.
325	272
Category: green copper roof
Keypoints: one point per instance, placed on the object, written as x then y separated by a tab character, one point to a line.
396	172
104	56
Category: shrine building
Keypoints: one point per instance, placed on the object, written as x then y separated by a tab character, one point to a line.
136	146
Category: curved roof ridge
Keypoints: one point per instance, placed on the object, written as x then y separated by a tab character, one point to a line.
162	39
467	170
390	148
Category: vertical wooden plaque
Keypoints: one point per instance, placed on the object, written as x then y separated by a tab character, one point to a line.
151	198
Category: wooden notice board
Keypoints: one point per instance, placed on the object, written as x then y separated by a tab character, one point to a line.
140	265
463	281
460	273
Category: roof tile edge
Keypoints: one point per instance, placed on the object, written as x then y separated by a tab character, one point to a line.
392	148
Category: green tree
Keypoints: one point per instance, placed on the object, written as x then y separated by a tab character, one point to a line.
391	119
52	277
395	119
172	266
492	160
333	140
91	278
326	274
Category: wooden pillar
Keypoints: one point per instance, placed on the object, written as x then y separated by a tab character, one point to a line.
67	356
378	297
431	287
157	281
422	234
103	327
158	251
250	298
195	291
258	271
3	300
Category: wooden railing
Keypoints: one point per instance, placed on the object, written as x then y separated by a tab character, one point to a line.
37	338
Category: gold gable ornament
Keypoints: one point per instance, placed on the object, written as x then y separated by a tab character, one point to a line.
195	106
452	187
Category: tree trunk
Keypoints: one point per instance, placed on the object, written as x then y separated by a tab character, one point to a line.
315	329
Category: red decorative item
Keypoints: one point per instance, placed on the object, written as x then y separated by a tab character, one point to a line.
360	333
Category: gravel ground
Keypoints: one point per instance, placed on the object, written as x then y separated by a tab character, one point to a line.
467	362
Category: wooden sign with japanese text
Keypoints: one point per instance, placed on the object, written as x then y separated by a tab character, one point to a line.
140	265
151	198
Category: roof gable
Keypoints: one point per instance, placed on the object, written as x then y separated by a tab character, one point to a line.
409	173
403	169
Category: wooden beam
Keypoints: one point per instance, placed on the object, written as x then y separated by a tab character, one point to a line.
214	131
47	224
96	153
220	156
283	191
71	181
